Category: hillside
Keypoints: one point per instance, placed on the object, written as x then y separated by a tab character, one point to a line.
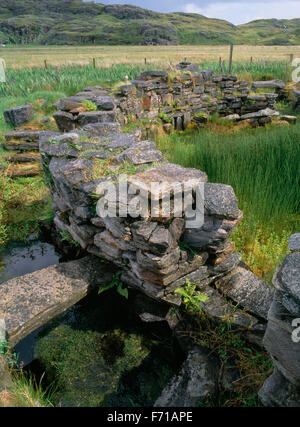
77	22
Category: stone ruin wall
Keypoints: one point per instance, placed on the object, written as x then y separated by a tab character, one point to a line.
158	255
178	102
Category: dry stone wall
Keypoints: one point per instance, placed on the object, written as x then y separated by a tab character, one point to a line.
156	253
177	100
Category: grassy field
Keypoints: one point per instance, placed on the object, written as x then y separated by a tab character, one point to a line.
34	56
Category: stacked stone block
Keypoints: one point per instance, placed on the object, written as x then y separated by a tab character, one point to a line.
282	338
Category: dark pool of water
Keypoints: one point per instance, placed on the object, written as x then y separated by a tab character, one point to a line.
17	258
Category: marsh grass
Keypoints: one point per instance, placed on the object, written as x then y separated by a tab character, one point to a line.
26	392
67	79
262	166
23	202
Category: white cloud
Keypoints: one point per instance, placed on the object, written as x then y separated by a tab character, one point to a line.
240	13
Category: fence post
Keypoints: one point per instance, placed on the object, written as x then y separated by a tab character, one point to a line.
251	60
291	57
46	65
230	58
145	61
94	62
223	67
220	63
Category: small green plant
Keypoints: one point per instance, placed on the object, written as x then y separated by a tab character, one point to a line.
88	105
115	283
165	118
66	237
75	146
192	299
5	350
54	141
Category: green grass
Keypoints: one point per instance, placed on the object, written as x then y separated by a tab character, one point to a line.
256	71
26	392
262	166
68	79
23	202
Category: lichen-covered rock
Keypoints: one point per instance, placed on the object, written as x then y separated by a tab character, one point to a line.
105	103
248	291
281	338
19	115
29	135
287	281
90	117
102	129
140	153
195	383
294	242
260	114
65	121
279	341
269	84
220	201
277	391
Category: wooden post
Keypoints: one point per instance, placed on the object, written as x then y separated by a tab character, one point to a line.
230	58
223	67
46	65
291	57
220	63
145	61
251	60
94	62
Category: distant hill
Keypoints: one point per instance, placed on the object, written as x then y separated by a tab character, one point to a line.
77	22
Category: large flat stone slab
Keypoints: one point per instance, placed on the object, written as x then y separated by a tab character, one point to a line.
30	301
269	84
248	290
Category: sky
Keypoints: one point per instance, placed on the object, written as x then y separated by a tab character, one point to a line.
235	11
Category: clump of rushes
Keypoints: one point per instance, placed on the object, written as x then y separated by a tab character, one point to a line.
262	166
22	390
